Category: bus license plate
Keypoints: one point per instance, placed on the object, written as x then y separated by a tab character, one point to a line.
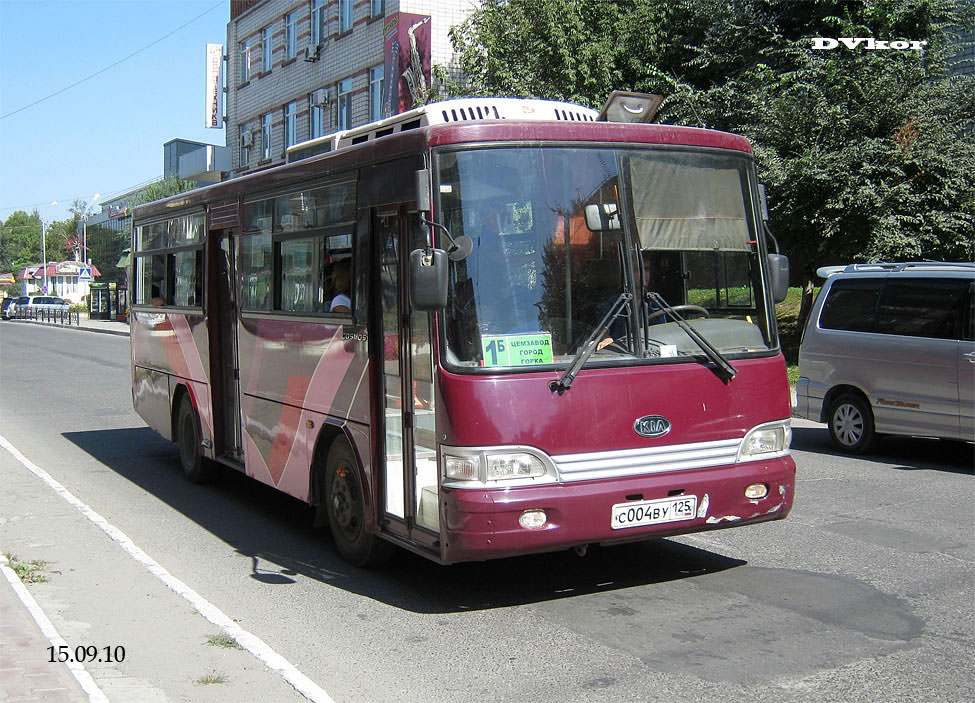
654	512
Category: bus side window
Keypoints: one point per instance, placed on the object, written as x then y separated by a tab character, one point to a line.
340	287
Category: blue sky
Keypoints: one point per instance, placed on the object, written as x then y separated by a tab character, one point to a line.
104	135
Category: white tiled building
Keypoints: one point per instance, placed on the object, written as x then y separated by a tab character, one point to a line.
301	69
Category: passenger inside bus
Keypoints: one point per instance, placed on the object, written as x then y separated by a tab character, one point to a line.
341	281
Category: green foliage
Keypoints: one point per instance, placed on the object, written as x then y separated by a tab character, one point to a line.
21	245
163	188
20	241
867	155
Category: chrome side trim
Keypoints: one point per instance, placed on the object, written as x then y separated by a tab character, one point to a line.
650	460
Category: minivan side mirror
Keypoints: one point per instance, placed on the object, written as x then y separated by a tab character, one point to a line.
778	266
428	279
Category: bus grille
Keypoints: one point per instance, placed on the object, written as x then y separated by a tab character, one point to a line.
650	460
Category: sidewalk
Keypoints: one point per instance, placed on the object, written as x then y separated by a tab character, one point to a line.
26	672
102	326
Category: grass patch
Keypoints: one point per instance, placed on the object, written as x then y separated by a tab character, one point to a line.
28	571
212	678
787	314
222	640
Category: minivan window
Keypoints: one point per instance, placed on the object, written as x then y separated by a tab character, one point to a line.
969	332
923	307
851	305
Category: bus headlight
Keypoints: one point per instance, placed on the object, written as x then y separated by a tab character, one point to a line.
462	468
766	441
501	466
512	465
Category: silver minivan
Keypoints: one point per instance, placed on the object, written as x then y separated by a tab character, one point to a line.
888	349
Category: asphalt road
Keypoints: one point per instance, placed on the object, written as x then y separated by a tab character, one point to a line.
865	593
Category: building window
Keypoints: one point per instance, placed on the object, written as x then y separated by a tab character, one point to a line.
291	35
244	61
290	124
317	22
345	104
266	137
316	119
377	8
376	93
266	49
246	139
345	15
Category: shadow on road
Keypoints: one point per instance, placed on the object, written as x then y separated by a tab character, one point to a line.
900	453
275	532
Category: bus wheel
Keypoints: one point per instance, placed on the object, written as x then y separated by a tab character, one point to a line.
851	423
196	467
347	509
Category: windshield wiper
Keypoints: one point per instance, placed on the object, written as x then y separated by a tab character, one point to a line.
725	369
589	346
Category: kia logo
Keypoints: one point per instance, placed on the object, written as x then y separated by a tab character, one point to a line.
651	426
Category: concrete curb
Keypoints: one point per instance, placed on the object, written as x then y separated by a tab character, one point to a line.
85	326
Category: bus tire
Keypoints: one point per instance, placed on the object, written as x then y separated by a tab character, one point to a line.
850	422
196	467
346	509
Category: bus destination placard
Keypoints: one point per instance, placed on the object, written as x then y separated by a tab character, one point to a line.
517	349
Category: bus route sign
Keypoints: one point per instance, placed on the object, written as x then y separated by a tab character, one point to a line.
517	349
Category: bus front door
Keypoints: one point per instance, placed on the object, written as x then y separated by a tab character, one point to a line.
410	482
222	314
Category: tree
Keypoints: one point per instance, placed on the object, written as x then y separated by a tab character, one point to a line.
558	49
865	152
20	235
60	235
163	188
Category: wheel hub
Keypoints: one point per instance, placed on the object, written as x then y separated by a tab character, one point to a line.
848	424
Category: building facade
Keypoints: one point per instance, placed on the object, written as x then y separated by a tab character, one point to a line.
301	69
65	279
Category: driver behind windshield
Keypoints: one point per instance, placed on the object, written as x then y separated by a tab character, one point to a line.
619	330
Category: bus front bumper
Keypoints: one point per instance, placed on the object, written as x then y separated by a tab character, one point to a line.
482	524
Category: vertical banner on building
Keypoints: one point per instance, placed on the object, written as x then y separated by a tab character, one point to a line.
406	46
214	82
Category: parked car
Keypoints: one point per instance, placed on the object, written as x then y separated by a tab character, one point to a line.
42	303
26	305
889	349
19	303
5	307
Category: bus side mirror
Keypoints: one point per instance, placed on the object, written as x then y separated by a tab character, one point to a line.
778	266
602	217
428	279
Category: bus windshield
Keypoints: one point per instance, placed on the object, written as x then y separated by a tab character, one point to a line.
560	233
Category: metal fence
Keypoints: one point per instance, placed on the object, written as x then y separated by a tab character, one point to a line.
61	316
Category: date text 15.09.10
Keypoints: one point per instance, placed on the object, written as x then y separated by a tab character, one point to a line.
89	653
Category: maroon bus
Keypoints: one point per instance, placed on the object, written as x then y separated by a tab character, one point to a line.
482	328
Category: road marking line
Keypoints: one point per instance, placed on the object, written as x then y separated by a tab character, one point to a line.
253	644
80	673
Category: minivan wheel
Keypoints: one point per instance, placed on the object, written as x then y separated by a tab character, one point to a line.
851	423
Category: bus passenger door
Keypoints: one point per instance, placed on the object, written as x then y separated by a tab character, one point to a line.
222	316
409	446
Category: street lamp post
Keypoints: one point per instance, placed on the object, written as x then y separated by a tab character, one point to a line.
86	260
84	231
44	245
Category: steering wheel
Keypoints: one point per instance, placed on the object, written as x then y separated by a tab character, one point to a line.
684	310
